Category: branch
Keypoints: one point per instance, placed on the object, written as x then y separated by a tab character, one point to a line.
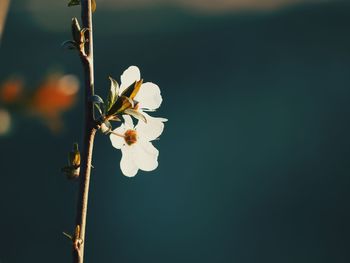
86	55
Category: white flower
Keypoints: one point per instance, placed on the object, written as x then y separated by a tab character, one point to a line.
148	97
135	144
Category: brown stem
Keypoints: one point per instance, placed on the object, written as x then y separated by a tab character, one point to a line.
89	134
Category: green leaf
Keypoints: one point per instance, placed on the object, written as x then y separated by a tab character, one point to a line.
67	235
69	44
76	30
121	104
96	99
74	2
113	93
131	102
98	108
136	114
132	90
77	2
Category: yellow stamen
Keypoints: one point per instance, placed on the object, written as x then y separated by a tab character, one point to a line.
130	137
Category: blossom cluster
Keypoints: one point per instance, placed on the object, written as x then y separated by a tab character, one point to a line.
133	99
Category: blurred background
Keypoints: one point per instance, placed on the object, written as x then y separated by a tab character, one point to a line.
254	161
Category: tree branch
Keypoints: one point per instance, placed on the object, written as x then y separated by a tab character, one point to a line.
89	134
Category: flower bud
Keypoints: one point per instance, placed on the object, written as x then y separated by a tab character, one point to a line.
74	156
73	169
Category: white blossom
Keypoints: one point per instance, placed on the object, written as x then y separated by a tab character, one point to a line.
135	144
148	97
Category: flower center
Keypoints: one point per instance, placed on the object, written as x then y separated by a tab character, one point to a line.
130	137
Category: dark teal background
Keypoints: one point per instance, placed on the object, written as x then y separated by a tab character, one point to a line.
254	161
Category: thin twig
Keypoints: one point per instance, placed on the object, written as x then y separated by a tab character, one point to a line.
89	134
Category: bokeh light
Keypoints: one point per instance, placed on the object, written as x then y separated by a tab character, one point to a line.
5	122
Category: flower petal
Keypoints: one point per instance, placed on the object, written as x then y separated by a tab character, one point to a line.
149	96
145	155
152	129
128	122
117	141
129	76
127	164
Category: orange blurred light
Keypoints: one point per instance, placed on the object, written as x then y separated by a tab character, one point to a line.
56	95
11	90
